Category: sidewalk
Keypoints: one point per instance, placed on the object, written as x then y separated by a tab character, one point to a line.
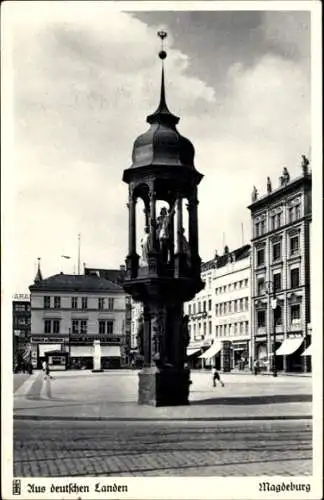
113	396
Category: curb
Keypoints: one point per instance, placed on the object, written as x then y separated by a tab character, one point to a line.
161	419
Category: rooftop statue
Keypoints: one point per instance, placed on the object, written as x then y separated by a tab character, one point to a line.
304	164
254	194
285	175
269	185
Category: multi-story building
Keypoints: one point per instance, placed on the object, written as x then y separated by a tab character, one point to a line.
21	320
280	312
219	314
69	312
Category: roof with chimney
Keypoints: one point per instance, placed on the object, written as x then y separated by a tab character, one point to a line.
115	275
76	283
228	256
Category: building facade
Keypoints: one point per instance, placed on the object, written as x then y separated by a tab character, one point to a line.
69	312
219	316
21	324
280	257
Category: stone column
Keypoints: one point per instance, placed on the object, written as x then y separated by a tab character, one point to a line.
152	197
193	224
132	224
179	225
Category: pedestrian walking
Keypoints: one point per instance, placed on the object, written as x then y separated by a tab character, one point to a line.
44	368
48	370
256	366
216	376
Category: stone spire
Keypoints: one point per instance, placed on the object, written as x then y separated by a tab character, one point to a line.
39	275
162	115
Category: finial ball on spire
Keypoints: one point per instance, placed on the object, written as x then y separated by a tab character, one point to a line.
162	54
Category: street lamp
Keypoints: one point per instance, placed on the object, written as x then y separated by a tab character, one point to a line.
271	292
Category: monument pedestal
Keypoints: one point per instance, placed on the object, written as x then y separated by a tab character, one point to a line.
166	386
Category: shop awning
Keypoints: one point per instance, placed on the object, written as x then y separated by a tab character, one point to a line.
43	348
112	351
308	351
192	351
289	346
212	351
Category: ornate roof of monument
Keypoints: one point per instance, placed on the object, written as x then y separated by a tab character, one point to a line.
162	144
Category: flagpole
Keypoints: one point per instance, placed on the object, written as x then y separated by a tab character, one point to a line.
79	245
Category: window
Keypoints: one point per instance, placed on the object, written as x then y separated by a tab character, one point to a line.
47	326
47	302
273	222
294	278
295	312
220	309
216	309
279	217
294	245
230	307
246	282
57	302
75	326
216	331
74	302
209	305
199	307
246	326
225	307
241	305
111	303
278	315
257	229
241	327
260	256
291	214
234	305
84	303
209	327
246	300
204	306
194	308
189	309
235	328
205	328
225	330
262	227
260	286
277	282
56	326
261	319
297	212
19	307
276	250
101	303
106	326
84	326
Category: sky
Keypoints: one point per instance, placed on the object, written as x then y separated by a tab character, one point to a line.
83	78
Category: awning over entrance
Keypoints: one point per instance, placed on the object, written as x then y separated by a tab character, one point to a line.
308	351
112	351
212	351
43	348
192	351
87	351
289	346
